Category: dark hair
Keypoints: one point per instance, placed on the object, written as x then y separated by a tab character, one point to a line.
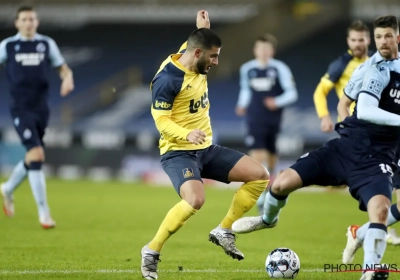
268	38
24	9
204	39
387	21
358	26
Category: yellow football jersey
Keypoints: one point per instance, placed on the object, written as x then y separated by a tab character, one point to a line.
338	75
179	105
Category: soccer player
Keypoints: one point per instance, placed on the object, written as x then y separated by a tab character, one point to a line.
266	87
340	70
27	57
180	109
361	158
387	38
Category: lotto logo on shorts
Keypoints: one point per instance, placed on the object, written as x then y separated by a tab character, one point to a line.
187	173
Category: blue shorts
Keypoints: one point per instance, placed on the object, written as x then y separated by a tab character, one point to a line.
214	162
396	177
262	136
341	162
31	127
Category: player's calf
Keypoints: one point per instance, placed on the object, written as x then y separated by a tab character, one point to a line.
35	158
275	200
375	238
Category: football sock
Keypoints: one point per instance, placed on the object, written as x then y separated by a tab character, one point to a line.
273	205
38	185
17	176
374	245
243	200
261	199
174	220
393	217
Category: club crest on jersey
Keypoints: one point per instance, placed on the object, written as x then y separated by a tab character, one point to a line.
188	173
194	105
41	48
271	73
17	47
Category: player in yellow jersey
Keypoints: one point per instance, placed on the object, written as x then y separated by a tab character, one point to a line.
180	109
340	70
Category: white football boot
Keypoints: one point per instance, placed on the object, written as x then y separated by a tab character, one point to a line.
47	222
377	274
392	237
353	244
149	264
8	202
250	224
226	239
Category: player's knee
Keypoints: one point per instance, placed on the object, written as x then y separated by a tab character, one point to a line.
261	173
192	192
378	209
286	183
196	201
36	154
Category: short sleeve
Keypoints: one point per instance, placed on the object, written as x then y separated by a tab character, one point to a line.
56	57
353	87
3	51
376	78
163	94
335	70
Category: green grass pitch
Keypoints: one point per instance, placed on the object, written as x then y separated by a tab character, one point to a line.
101	228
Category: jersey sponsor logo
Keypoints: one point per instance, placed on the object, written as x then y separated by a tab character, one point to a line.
194	105
395	93
29	59
262	84
162	105
187	172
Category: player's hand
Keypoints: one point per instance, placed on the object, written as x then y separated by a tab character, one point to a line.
67	86
240	111
326	124
269	102
202	20
196	137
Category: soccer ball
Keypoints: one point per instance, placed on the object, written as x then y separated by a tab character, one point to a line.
282	263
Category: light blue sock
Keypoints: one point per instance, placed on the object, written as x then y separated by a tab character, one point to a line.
362	231
17	176
272	206
38	185
261	199
393	217
374	245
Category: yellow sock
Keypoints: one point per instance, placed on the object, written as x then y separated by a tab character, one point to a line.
243	200
174	220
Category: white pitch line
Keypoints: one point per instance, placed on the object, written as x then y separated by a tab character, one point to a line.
119	271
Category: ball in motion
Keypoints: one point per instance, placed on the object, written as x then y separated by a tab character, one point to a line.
282	263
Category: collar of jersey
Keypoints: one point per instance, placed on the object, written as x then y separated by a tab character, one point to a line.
360	59
22	38
174	61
